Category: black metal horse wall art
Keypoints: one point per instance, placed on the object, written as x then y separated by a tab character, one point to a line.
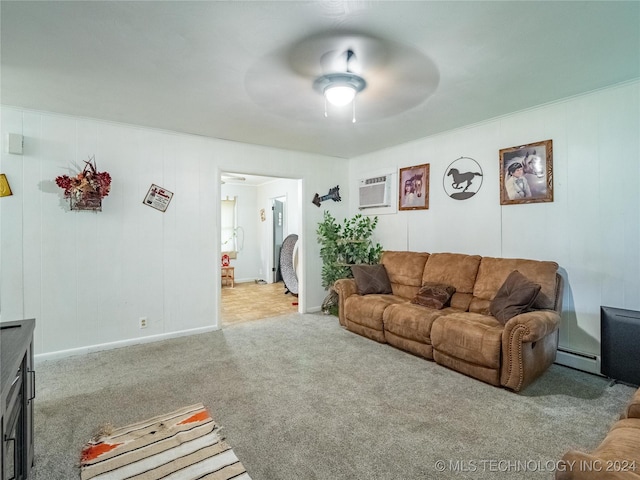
334	194
460	178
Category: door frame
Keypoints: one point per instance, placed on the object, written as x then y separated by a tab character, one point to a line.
300	247
275	253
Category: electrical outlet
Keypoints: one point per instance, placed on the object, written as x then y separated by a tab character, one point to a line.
143	322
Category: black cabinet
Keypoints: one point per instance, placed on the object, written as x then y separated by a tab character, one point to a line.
16	399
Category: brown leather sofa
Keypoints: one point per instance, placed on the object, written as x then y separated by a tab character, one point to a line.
616	458
463	335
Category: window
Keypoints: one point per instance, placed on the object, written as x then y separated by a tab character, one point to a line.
228	227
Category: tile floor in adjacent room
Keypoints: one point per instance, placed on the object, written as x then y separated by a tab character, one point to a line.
253	301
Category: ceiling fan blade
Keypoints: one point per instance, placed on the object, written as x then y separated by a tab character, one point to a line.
398	77
328	53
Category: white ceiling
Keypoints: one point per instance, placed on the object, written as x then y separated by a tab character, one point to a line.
243	71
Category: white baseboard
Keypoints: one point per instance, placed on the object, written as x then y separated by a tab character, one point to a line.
586	362
120	343
245	280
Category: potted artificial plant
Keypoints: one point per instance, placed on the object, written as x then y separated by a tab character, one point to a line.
342	245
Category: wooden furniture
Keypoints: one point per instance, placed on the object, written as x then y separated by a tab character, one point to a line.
16	399
228	275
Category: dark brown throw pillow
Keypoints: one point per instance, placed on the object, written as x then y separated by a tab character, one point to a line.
515	296
371	279
434	295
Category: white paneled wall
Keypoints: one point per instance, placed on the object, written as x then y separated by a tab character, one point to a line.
592	228
88	277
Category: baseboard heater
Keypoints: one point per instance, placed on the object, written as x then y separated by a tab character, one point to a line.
586	362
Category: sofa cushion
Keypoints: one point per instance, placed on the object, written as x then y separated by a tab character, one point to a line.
371	279
493	272
405	271
515	296
434	295
471	337
367	310
455	269
411	321
408	326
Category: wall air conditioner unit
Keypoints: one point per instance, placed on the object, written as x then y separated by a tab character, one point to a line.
375	192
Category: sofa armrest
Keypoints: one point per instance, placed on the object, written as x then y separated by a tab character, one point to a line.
345	287
576	465
616	458
532	326
529	346
633	409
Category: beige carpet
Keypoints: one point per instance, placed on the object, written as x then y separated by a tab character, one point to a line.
253	301
301	398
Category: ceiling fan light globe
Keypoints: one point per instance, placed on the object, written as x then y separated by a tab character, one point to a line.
340	95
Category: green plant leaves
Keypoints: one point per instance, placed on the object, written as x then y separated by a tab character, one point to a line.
346	244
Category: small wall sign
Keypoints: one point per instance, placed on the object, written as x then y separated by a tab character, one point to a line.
158	197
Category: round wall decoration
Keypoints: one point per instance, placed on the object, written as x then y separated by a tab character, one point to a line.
462	178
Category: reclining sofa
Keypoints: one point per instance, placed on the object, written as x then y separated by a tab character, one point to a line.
461	332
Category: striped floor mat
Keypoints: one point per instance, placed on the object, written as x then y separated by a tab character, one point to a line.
182	445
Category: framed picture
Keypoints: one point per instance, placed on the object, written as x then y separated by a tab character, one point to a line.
158	198
413	190
5	189
526	173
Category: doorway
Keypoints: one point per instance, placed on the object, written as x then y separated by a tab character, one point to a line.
268	210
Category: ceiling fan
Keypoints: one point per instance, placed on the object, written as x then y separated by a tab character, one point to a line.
340	88
387	77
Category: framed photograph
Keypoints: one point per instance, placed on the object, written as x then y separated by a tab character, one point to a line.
413	190
158	198
526	173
